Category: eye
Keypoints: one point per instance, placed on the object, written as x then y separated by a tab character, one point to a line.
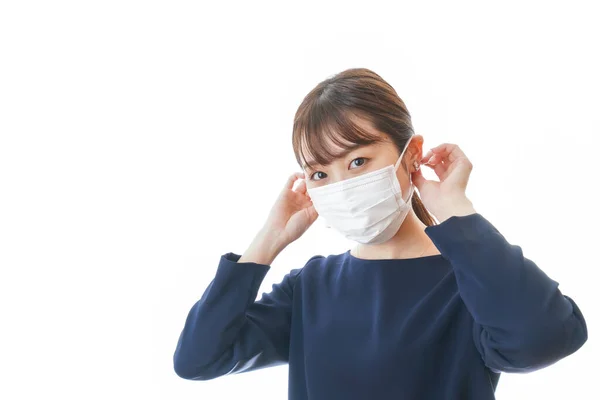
359	163
318	172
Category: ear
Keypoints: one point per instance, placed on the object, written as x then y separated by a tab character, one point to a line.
415	152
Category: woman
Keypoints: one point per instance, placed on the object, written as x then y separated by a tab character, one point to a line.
417	309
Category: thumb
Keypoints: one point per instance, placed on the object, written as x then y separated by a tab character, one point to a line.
312	213
462	171
418	179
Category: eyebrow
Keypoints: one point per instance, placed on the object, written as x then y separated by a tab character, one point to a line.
311	164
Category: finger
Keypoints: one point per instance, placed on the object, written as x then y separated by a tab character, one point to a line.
292	178
459	172
426	157
301	193
448	151
305	203
313	214
418	179
441	170
301	188
434	159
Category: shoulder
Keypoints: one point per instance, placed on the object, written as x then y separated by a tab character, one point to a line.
314	261
318	265
320	261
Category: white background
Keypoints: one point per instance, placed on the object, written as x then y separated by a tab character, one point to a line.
141	140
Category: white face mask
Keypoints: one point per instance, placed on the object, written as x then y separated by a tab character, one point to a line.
369	208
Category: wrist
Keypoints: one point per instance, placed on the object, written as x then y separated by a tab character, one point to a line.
269	242
263	250
270	239
458	207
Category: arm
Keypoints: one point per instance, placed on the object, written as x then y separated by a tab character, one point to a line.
227	331
522	321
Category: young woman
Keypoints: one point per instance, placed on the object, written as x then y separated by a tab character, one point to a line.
417	309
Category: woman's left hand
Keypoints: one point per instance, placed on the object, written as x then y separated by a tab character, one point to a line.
447	197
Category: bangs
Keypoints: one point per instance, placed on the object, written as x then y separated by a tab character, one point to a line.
322	128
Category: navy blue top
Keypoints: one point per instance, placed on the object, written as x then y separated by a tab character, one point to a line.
433	327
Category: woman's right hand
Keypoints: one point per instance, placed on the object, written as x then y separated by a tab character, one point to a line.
290	217
293	212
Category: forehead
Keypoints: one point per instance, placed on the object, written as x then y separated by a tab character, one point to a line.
331	143
340	149
336	147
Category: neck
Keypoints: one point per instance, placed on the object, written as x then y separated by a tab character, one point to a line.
410	241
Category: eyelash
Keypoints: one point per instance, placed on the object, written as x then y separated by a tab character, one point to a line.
358	158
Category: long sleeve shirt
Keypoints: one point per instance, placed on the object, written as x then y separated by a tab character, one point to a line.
434	327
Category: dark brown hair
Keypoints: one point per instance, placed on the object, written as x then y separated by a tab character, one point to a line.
327	112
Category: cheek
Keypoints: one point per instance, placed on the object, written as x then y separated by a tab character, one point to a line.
310	184
403	178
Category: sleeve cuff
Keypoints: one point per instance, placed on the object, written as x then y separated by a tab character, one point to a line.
232	260
232	257
458	232
472	224
232	275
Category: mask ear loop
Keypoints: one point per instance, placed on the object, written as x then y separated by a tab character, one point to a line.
402	154
412	186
